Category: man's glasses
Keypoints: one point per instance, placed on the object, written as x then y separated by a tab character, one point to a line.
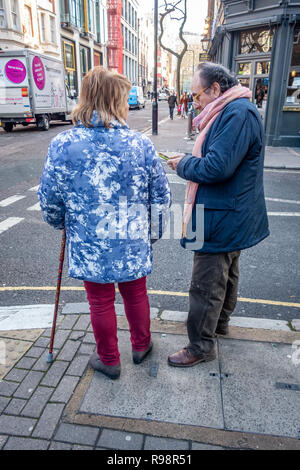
196	97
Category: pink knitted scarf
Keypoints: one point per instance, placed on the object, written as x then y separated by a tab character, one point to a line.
204	122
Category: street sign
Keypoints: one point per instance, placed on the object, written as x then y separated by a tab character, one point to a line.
204	57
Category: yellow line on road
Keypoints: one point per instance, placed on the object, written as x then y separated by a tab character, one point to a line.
150	292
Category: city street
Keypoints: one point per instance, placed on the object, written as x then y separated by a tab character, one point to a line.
269	283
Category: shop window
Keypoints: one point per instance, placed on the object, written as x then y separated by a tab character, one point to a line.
293	89
256	41
2	15
262	68
244	68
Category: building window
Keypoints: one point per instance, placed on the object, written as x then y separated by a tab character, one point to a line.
85	60
75	10
293	89
98	58
256	41
28	20
90	16
43	28
14	13
2	15
70	66
69	55
52	30
126	9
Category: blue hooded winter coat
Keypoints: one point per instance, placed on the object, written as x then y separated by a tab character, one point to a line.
230	177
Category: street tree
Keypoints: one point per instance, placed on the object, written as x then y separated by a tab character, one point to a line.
175	10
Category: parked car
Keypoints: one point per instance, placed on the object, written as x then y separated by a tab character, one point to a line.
162	96
32	90
136	98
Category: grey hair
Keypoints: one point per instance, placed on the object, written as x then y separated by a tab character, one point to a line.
210	73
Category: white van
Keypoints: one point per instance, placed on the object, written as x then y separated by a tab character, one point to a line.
136	98
32	90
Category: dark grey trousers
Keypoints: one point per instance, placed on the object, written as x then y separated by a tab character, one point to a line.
213	297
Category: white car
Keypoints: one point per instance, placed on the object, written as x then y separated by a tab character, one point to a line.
162	96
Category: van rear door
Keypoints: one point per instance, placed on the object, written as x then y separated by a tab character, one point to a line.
14	87
133	97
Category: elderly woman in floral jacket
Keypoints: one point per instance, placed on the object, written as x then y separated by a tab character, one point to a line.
105	184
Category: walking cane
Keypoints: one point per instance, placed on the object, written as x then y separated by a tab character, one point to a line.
60	269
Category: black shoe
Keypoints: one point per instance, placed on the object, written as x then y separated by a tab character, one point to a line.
113	372
139	356
222	329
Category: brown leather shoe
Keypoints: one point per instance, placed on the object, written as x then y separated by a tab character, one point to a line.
184	358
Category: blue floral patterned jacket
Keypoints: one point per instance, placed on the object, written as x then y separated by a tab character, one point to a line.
105	186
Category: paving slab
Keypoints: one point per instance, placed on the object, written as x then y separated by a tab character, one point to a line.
252	403
14	425
170	315
74	434
72	308
26	317
160	443
21	443
199	446
15	406
165	395
121	440
262	323
3	439
296	324
12	351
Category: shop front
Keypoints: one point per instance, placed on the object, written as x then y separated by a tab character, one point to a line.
262	46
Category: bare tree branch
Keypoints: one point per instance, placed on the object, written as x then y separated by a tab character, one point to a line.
173	7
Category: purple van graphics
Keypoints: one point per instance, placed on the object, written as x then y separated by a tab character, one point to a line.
15	71
38	72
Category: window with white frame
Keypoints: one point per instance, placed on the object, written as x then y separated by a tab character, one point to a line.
43	27
52	30
28	20
2	15
14	13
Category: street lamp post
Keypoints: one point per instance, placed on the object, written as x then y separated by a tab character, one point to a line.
155	102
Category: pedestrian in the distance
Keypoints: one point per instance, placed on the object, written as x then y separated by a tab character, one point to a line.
225	174
172	101
184	105
103	182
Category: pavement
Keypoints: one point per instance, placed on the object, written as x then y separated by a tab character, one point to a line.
248	398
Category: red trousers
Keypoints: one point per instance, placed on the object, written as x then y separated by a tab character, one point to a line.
101	298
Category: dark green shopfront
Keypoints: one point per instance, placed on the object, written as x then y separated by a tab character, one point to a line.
260	41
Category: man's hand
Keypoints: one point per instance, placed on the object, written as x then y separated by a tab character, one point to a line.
173	162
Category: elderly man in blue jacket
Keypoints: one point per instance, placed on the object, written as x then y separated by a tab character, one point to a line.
230	178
